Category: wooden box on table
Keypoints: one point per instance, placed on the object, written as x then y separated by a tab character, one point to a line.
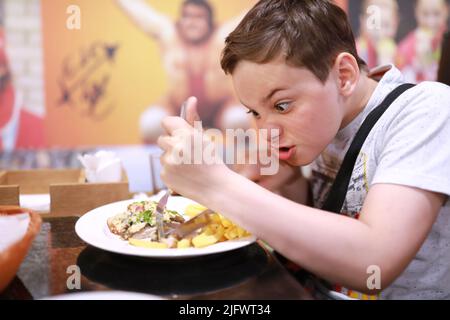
69	193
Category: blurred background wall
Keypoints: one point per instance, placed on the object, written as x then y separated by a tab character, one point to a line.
82	75
110	79
23	31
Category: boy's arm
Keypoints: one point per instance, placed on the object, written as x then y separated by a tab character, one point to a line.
147	19
393	225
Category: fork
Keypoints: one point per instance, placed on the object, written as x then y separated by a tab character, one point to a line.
163	201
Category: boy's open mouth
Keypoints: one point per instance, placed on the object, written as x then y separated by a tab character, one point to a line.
285	153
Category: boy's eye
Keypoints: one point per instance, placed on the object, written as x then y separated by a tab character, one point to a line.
282	107
253	113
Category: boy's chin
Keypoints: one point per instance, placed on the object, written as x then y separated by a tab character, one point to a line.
299	160
295	162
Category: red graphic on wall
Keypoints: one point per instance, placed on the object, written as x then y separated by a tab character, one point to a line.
19	129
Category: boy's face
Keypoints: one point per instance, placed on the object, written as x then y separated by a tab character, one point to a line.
432	14
307	112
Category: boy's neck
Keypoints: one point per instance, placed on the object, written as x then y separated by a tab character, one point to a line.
356	104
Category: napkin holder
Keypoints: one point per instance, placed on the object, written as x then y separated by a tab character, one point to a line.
9	194
70	194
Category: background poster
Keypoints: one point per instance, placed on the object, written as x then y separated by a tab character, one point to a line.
101	77
404	32
81	75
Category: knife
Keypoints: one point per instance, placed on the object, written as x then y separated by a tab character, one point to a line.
184	229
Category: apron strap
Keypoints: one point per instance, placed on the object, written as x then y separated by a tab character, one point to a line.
338	191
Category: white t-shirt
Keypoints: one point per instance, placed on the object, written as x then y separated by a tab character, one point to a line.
409	145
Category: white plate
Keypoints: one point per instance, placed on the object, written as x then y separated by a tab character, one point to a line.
92	229
105	295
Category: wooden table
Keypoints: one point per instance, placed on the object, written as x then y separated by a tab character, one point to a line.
250	273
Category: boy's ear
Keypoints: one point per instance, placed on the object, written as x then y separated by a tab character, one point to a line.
348	73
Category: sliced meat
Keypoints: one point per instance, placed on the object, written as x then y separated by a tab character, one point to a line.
146	233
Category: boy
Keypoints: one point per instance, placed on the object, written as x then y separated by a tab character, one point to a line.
294	65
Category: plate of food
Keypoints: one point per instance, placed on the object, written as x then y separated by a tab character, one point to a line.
128	227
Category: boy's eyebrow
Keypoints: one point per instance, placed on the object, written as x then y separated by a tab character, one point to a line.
267	98
272	93
244	104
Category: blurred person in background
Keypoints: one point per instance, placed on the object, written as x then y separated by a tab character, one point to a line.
376	43
419	53
190	48
18	127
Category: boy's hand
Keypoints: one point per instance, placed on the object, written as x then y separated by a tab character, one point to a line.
180	172
287	174
288	182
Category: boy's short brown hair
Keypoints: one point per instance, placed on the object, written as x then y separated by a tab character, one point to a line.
309	33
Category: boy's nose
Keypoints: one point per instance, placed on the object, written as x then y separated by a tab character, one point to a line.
274	131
